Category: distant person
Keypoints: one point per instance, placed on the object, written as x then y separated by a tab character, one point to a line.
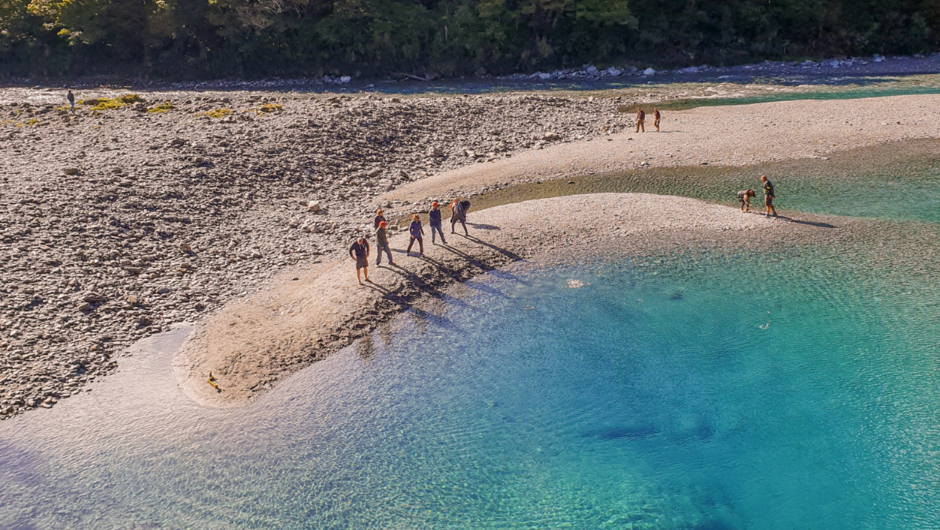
417	233
359	251
71	98
744	199
768	196
379	217
656	117
381	243
459	209
434	219
640	120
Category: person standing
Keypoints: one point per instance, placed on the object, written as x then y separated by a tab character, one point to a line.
381	243
434	219
379	217
640	120
71	98
359	251
768	196
744	199
656	117
417	233
459	211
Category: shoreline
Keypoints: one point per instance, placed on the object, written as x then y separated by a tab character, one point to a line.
744	135
251	345
821	71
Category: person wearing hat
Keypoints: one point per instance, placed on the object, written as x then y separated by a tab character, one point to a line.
434	219
381	241
359	251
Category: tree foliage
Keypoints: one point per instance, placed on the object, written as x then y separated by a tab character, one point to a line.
205	38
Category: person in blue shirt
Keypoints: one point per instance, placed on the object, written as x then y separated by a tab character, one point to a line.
434	218
416	233
379	217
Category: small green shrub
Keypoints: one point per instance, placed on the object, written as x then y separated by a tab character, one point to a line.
216	113
111	104
269	107
161	108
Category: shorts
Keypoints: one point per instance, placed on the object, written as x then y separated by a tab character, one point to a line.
768	200
361	263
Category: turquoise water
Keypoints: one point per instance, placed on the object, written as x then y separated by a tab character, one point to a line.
873	90
791	390
897	182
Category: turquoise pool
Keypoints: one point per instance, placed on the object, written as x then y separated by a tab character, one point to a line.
793	389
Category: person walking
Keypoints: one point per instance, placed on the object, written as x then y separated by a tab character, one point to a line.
417	233
434	219
744	199
381	243
640	120
769	196
459	211
379	217
359	251
71	97
656	117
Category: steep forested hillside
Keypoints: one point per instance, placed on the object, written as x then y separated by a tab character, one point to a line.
226	38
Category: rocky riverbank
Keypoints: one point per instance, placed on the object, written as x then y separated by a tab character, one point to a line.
130	214
126	216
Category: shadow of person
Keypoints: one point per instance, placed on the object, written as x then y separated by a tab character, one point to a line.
810	223
483	227
509	254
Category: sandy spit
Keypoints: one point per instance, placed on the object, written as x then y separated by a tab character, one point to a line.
253	343
718	136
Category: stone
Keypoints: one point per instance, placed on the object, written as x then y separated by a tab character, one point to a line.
314	206
72	171
94	298
186	248
649	71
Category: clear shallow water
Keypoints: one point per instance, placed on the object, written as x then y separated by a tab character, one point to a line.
898	182
618	394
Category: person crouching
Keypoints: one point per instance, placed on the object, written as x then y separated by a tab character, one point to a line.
744	199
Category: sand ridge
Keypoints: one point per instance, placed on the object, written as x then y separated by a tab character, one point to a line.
719	136
253	343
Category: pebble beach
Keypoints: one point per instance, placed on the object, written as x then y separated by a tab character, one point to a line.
203	207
